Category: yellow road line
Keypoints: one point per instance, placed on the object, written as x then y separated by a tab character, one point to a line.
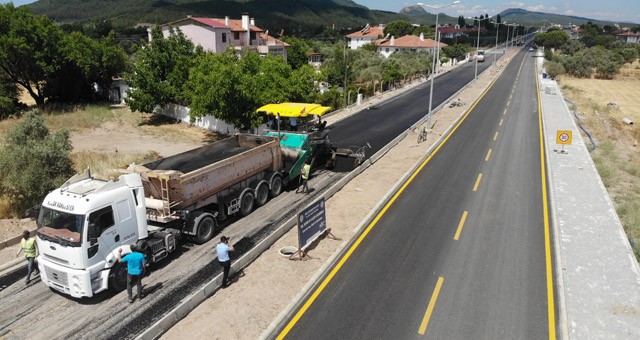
432	304
496	135
505	111
486	159
475	187
501	121
355	245
460	225
508	102
551	310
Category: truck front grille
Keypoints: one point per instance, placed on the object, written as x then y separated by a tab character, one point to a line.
57	277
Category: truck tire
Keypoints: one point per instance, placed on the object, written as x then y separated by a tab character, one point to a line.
246	202
118	277
276	186
206	226
262	194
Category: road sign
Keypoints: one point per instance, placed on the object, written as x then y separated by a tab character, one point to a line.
312	222
563	137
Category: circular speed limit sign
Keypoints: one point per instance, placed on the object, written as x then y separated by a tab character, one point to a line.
563	137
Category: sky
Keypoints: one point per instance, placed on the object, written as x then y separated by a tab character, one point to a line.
610	10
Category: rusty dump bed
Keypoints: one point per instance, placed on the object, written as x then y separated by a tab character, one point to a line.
198	158
192	179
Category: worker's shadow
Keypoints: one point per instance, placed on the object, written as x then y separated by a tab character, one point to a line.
146	291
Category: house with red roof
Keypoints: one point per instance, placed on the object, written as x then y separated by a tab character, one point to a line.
407	43
367	35
216	35
629	37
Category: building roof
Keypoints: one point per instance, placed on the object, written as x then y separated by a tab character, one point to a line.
628	34
236	25
271	40
368	32
409	41
204	21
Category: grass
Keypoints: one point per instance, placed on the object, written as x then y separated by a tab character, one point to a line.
616	158
106	165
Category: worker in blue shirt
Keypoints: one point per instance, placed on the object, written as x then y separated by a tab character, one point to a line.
136	265
223	248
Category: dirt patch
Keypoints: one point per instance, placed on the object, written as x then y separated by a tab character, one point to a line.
601	106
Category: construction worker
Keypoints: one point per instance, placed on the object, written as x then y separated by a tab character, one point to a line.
304	176
29	247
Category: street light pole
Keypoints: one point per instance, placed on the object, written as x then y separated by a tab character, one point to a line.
433	64
495	52
477	44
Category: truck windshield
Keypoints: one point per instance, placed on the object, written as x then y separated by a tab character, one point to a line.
60	227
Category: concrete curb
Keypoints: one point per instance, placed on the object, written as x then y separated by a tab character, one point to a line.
562	310
191	302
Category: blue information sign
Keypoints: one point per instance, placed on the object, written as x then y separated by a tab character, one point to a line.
312	222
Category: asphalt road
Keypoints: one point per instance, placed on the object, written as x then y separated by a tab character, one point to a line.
35	312
460	253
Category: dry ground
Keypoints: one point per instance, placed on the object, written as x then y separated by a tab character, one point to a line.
617	155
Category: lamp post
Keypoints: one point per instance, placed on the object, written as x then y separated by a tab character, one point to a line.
433	64
477	44
495	52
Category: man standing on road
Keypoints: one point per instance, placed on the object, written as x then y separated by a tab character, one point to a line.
30	248
223	248
304	176
136	265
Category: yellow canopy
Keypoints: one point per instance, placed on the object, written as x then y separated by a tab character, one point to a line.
294	110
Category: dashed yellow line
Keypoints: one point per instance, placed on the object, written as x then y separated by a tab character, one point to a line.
486	158
461	225
432	304
501	121
505	111
475	187
495	137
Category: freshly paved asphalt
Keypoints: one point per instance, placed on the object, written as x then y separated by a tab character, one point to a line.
487	279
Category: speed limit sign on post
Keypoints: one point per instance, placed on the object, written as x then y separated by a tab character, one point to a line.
563	137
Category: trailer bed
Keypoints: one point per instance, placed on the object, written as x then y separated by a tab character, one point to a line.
198	158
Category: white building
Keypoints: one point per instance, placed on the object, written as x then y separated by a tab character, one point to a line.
407	43
365	36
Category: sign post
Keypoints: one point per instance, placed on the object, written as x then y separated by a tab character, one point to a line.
312	223
563	137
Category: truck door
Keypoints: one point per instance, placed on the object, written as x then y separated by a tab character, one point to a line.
102	234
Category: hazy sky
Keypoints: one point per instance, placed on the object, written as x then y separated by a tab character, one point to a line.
612	10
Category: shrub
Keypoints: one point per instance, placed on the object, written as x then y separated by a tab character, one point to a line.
33	162
554	69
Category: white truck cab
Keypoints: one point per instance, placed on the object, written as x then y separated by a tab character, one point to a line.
80	227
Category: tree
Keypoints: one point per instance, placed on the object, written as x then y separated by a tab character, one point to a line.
553	68
398	28
29	49
160	71
426	31
461	22
232	88
297	52
551	39
33	162
8	97
457	51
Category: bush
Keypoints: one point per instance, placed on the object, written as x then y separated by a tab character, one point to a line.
33	162
554	69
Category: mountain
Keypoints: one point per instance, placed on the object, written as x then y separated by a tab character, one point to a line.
295	16
529	18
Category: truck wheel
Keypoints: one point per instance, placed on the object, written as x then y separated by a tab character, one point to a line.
246	202
262	194
205	227
118	277
276	186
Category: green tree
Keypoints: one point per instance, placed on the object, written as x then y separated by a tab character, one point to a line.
398	28
29	49
297	52
426	31
160	71
8	97
33	162
232	88
551	39
554	69
457	51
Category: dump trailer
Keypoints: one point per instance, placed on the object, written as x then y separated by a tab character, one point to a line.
84	223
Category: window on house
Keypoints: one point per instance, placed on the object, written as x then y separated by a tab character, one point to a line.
252	35
224	37
386	50
236	35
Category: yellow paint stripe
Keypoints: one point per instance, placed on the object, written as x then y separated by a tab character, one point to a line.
495	137
508	102
475	187
511	96
505	112
551	310
486	158
432	304
355	245
460	225
501	121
